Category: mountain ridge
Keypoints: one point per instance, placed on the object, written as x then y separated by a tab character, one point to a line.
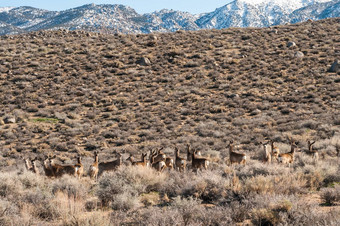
115	18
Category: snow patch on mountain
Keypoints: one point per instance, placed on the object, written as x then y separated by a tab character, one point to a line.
5	9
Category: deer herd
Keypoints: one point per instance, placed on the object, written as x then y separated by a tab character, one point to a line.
160	161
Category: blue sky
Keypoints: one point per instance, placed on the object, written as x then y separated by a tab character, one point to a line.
141	6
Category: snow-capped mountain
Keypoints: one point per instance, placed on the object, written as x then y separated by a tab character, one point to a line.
24	17
316	12
170	20
120	18
254	13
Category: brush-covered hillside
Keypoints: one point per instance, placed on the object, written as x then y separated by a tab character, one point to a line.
71	93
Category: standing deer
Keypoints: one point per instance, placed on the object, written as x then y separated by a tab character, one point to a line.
79	168
198	162
31	165
48	168
158	165
110	166
143	162
28	164
169	162
310	151
267	153
288	158
93	170
235	157
159	155
189	155
59	170
275	151
180	163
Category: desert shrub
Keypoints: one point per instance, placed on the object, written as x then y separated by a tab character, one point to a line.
189	209
209	186
283	184
331	195
122	187
95	218
10	187
255	168
8	212
31	180
215	216
308	214
8	208
314	177
36	197
46	211
175	183
332	178
161	216
71	186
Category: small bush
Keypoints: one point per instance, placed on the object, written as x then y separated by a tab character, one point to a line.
330	195
122	187
71	186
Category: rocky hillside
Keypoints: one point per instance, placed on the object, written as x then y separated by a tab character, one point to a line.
71	92
123	19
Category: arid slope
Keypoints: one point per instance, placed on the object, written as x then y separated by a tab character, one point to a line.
75	91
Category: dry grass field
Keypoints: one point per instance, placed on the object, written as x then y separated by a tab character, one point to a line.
71	93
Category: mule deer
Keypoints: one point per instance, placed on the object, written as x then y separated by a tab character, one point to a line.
288	158
79	168
235	157
310	151
275	151
48	168
143	162
189	155
197	162
110	166
180	163
28	164
59	170
267	153
158	165
159	155
169	162
31	165
93	170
